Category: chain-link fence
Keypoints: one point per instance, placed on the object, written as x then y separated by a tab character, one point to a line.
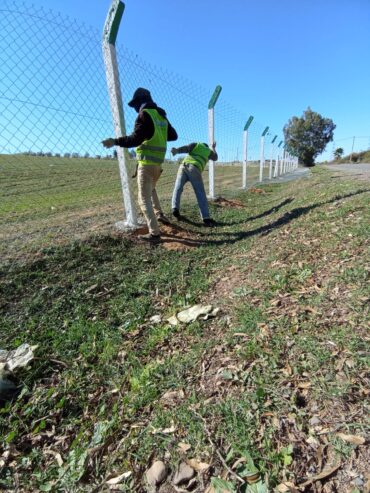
57	181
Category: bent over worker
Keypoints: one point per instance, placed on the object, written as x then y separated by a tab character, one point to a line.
191	170
151	132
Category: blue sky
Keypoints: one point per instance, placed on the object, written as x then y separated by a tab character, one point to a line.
272	58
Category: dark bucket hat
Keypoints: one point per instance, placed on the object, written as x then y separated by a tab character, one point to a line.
140	95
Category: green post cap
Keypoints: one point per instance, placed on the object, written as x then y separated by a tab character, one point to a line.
265	131
214	97
113	21
280	143
249	121
273	140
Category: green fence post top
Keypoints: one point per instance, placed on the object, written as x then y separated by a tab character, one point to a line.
273	140
249	121
113	21
280	143
214	97
265	131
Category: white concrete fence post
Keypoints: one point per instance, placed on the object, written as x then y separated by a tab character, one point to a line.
272	156
211	139
262	153
282	161
279	160
110	32
245	151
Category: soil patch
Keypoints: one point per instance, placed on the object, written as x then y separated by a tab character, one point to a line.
221	202
173	237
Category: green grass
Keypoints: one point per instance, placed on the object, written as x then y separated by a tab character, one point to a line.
55	200
289	272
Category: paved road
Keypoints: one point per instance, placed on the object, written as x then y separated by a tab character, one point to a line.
360	171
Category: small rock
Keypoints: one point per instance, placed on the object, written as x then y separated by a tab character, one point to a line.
155	319
358	482
183	474
314	421
157	473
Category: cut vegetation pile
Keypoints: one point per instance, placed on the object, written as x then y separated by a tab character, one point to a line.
269	393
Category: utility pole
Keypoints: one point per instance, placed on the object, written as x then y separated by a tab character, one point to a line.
353	145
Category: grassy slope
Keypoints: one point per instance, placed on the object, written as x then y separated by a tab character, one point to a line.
274	377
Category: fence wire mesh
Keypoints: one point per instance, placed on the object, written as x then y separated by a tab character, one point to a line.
58	182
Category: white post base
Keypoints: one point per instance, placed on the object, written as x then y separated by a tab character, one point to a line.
126	226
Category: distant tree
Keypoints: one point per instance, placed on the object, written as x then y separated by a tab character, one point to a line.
67	155
48	154
87	155
97	156
114	154
338	153
75	155
309	135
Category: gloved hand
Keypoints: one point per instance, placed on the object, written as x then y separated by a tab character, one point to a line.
108	142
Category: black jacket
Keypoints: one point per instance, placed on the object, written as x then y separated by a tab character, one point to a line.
144	128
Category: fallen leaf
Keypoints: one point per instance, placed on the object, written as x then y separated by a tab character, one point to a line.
304	385
354	439
120	478
184	447
286	487
198	465
91	288
165	431
324	474
173	396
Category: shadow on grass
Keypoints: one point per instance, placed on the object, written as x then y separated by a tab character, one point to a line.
231	238
243	221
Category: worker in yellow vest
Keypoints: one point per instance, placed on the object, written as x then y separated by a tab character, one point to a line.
151	132
191	170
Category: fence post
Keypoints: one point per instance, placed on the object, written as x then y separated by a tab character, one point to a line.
284	160
245	151
262	152
211	139
276	173
276	169
110	32
281	159
272	156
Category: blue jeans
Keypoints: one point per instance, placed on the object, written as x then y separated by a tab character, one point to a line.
188	172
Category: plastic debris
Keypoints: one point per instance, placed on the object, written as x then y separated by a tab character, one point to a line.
10	360
193	313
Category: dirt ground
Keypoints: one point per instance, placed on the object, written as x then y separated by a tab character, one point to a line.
360	171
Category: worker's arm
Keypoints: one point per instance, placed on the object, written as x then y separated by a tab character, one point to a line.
213	155
183	149
143	130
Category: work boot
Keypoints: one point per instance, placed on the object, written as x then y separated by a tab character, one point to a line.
176	213
161	218
150	238
209	223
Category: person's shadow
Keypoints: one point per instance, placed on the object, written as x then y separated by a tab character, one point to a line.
233	237
186	220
